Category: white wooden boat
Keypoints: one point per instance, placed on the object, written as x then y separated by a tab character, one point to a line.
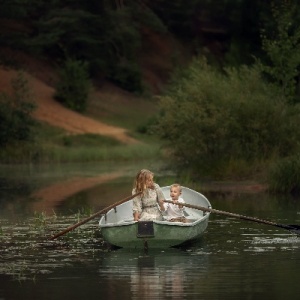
119	229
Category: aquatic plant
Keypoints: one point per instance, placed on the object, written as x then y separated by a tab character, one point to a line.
40	219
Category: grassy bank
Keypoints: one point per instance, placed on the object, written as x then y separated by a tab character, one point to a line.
53	145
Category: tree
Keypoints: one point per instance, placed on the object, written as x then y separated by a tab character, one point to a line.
73	87
16	122
281	44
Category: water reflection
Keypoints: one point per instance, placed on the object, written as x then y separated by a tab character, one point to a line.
63	188
157	275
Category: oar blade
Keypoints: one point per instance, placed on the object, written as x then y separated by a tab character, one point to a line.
295	228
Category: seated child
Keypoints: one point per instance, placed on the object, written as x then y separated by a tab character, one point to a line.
174	212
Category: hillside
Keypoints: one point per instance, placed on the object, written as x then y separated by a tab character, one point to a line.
50	111
110	109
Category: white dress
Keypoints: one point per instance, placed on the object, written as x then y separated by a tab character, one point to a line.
147	204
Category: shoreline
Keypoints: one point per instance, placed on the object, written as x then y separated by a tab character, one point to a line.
230	187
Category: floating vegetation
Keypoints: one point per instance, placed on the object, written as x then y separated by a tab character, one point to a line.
40	220
26	251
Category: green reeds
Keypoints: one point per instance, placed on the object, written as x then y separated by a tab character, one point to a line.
78	148
284	175
90	154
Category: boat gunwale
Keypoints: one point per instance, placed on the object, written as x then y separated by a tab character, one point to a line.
159	222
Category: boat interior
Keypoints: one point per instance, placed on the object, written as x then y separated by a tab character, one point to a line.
124	215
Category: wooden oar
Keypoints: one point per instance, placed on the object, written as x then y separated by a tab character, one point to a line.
293	228
103	211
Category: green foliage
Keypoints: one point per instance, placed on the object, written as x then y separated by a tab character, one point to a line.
110	35
124	42
148	126
282	44
284	175
128	76
13	8
105	35
73	87
177	15
16	122
210	119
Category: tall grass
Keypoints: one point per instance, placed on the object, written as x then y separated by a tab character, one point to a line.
284	175
104	153
53	145
59	153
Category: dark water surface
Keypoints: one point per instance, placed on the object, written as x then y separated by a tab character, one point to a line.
235	259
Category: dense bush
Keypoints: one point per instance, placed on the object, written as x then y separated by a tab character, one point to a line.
16	122
284	175
114	36
211	119
72	90
281	45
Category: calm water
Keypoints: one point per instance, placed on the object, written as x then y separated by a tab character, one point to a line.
234	259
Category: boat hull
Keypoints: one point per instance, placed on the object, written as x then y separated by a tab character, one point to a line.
119	229
165	235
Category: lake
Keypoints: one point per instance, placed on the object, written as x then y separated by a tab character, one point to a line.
234	259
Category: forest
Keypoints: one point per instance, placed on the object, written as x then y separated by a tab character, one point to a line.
229	102
110	36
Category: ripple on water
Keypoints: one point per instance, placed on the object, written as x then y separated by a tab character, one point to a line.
273	243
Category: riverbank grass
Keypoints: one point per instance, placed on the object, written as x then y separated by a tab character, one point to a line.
54	145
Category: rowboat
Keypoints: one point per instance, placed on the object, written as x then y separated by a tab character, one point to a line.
119	229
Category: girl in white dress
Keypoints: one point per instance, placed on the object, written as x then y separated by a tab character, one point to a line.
149	204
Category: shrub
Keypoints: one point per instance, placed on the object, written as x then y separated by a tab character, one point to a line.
210	118
281	46
284	175
16	122
128	76
73	88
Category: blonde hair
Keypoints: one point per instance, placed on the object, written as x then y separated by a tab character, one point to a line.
176	185
140	182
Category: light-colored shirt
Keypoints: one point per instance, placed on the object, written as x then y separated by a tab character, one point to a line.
173	210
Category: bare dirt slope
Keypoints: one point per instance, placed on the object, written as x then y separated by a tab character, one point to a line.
50	111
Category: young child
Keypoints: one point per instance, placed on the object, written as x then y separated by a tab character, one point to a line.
150	203
174	212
